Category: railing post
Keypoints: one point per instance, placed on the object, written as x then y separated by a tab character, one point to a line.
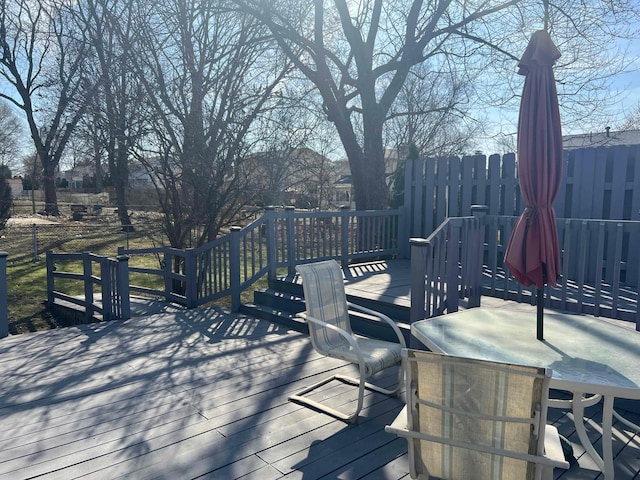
344	239
168	274
402	241
475	294
122	282
452	266
50	279
88	285
234	267
4	313
417	275
105	284
291	240
191	278
272	260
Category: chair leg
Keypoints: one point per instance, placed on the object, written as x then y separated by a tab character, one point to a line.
301	399
361	383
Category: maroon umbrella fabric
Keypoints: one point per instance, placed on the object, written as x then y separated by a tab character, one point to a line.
533	255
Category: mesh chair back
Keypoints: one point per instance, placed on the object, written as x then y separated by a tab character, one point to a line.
492	406
325	299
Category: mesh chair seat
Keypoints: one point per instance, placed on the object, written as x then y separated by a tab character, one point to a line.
327	314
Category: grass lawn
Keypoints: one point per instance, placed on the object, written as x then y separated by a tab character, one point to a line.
27	275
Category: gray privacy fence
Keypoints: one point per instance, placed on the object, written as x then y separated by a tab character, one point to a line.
597	183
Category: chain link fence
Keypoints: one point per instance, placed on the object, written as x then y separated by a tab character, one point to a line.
30	242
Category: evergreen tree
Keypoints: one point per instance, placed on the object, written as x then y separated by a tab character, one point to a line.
5	202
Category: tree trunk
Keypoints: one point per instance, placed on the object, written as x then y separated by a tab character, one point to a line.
49	186
120	178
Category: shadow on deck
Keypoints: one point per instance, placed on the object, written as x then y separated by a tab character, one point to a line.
203	394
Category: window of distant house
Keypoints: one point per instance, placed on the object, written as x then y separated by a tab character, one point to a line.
342	196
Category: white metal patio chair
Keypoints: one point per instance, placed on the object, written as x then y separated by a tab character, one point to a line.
331	335
477	419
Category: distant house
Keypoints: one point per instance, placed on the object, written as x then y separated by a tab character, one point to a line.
300	177
607	138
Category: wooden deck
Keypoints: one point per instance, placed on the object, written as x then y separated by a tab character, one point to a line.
201	394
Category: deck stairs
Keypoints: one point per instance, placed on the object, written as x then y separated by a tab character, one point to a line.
284	299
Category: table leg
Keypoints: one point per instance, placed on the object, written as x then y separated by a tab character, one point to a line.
578	421
604	462
607	436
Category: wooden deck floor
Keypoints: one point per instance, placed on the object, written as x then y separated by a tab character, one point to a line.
200	394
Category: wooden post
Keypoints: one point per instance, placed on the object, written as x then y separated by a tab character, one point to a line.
272	261
475	294
168	271
105	283
291	240
402	241
191	278
122	283
344	238
451	269
4	313
88	285
234	267
50	279
417	275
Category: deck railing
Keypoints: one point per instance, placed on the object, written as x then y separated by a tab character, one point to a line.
446	267
278	239
464	257
597	276
105	292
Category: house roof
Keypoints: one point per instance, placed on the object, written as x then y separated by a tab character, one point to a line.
607	138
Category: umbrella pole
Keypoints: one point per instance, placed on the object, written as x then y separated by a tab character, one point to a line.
540	314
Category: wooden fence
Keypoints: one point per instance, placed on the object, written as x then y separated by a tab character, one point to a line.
597	183
105	292
446	267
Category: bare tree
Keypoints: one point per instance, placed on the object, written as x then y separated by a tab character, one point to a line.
207	72
359	54
117	120
632	120
43	57
10	132
432	112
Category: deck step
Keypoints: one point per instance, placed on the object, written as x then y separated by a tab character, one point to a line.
287	319
279	300
281	307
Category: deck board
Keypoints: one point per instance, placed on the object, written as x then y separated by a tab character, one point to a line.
203	394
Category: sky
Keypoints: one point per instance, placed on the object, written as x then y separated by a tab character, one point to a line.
625	88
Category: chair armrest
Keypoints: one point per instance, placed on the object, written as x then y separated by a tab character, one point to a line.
347	336
553	448
399	424
380	316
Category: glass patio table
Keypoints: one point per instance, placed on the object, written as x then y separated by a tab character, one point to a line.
590	357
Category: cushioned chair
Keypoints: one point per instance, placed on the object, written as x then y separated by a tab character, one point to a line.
327	314
468	418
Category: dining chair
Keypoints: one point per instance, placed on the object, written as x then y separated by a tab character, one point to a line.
468	418
327	315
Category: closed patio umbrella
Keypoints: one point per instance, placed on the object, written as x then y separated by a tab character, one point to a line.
533	255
